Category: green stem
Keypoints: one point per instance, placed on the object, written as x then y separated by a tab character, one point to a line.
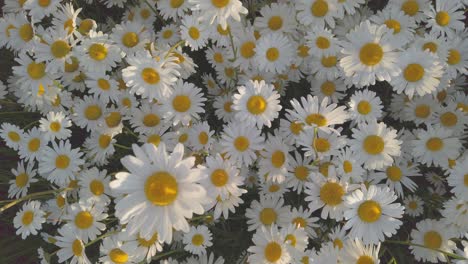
130	132
161	256
173	48
32	195
30	124
122	146
407	243
18	112
154	11
101	237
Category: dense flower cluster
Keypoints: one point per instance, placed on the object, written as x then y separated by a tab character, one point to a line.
326	129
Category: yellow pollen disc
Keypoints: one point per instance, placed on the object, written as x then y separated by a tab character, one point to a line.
292	239
413	205
104	141
256	104
147	243
227	107
241	143
220	3
55	126
229	72
441	95
145	13
319	8
277	159
432	240
62	162
161	188
34	144
97	52
15	137
77	248
219	177
203	138
272	54
299	222
338	243
151	120
449	119
373	145
73	184
127	102
57	101
365	260
93	112
317	119
274	188
167	34
103	84
321	145
301	173
347	166
454	57
154	139
150	75
27	218
323	168
422	111
369	211
85	26
60	49
60	201
305	260
410	7
364	107
130	39
442	18
434	144
328	88
465	179
322	43
247	49
26	32
194	33
183	138
84	220
176	3
431	46
275	22
96	187
296	127
303	51
268	216
69	25
413	72
394	173
218	57
43	3
198	240
181	103
329	61
7	30
331	193
272	252
36	70
113	119
118	256
73	66
393	24
21	180
371	54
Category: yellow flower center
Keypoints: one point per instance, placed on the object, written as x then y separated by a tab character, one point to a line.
22	179
296	127
218	57
147	243
85	26
154	139
365	260
454	57
394	173
150	75
275	22
73	66
465	179
364	107
410	7
113	119
301	172
448	119
322	43
151	120
167	34
256	104
77	247
319	8
118	256
36	70
227	107
268	216
329	61
55	126
161	188
62	162
272	54
145	13
203	138
97	52
321	145
60	201
331	193
272	252
198	240
247	49
7	30
274	188
432	240
194	33
26	32
84	220
316	119
393	24
373	144
412	205
434	144
130	39
34	144
69	25
328	88
93	112
15	137
183	138
176	3
96	187
299	222
338	243
27	218
223	31
347	166
292	239
442	18
43	3
219	177
181	103
371	54
431	46
369	211
60	49
103	84
241	143
413	72
104	141
422	111
303	51
278	158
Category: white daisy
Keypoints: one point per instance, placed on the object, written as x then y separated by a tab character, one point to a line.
458	178
71	247
273	53
12	135
365	106
413	205
94	186
445	18
317	12
29	219
356	252
219	10
85	220
269	247
55	126
24	176
275	18
197	239
115	251
266	213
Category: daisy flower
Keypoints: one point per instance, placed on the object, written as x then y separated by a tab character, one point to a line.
300	218
348	166
173	8
445	18
40	9
246	44
219	10
102	86
55	126
322	42
412	8
458	179
55	49
454	213
169	34
326	66
272	189
368	56
317	12
88	112
24	176
269	247
223	107
299	172
434	235
332	88
12	135
130	36
113	251
202	136
398	175
266	213
338	237
148	118
159	184
295	237
197	239
240	142
66	17
71	247
421	110
275	18
94	186
22	35
436	44
421	73
457	59
32	145
32	75
29	219
375	145
371	214
452	118
224	206
99	147
401	25
320	144
365	106
194	31
273	53
413	205
85	220
183	104
256	103
356	252
146	247
435	146
274	164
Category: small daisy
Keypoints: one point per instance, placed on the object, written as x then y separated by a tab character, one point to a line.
224	206
130	36
317	12
22	36
219	10
413	205
94	186
55	126
299	172
40	9
55	49
320	144
173	8
24	176
266	213
348	167
99	147
184	103
240	142
273	53
275	18
451	118
169	34
332	88
295	237
194	31
457	59
434	43
102	86
401	25
115	251
85	220
398	175
372	215
12	135
32	74
356	252
274	164
223	107
446	17
271	189
29	219
365	106
458	179
322	42
197	239
269	247
412	8
301	218
421	110
202	136
71	247
32	145
88	112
